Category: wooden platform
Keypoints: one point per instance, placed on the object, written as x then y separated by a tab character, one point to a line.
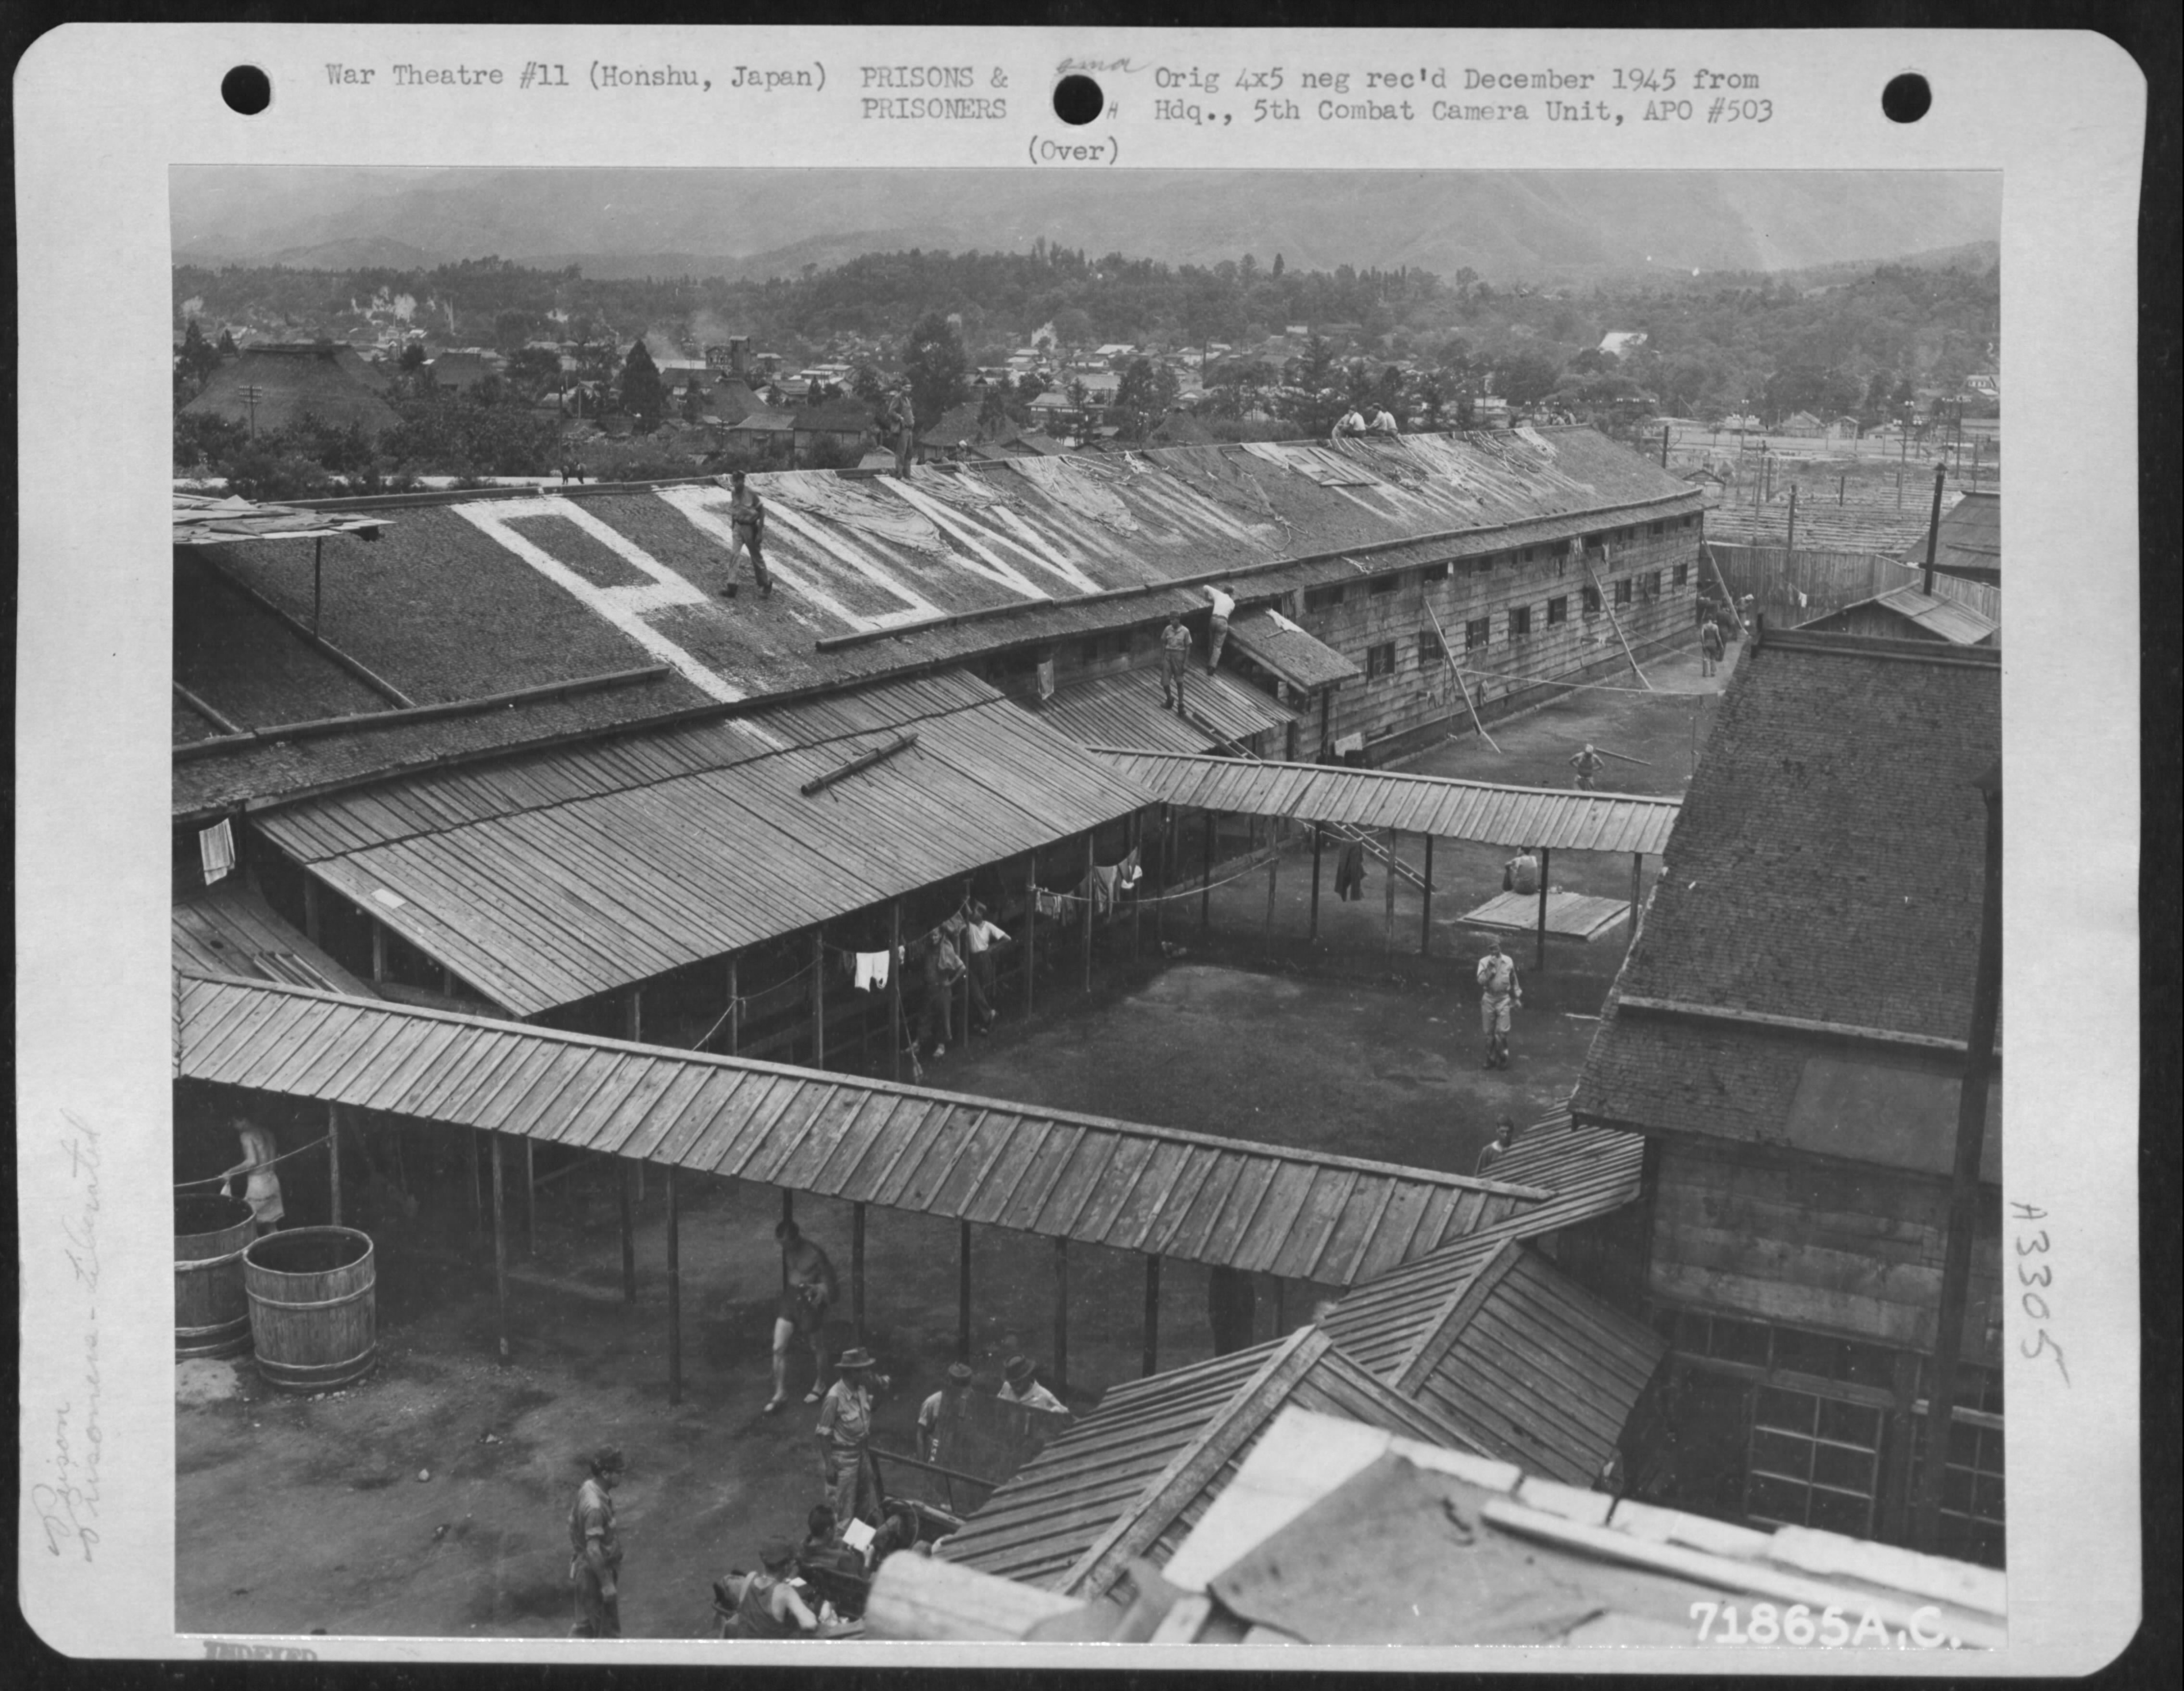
1570	916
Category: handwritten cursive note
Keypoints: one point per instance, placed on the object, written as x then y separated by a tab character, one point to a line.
68	1502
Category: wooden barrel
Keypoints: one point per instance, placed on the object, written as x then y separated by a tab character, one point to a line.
312	1306
212	1314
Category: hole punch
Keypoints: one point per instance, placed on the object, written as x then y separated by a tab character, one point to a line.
247	90
1906	98
1078	100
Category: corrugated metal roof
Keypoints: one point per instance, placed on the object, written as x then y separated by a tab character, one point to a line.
1133	1478
548	878
1276	643
1302	1214
1125	709
1958	624
229	929
1535	1369
1414	804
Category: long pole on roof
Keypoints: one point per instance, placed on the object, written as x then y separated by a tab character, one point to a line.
1934	529
1963	1183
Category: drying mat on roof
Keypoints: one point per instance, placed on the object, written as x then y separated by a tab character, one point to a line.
960	488
1329	468
1074	488
820	494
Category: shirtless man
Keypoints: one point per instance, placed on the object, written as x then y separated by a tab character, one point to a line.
802	1312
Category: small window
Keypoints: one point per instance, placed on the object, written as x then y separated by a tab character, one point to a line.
1681	576
1320	598
1433	572
1591	600
1558	610
1387	584
1429	651
1622	591
1477	633
1655	528
1520	622
1653	584
1381	660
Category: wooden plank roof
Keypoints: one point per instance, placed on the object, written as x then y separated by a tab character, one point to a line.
1125	709
1274	643
1414	804
1303	1215
551	877
1135	1477
1533	1368
230	930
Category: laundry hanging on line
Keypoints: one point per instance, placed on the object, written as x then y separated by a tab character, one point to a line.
872	970
216	849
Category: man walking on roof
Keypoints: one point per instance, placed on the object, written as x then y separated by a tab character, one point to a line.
1223	603
747	524
1499	991
1175	659
901	425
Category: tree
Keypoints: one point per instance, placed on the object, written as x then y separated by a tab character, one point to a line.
644	395
1529	378
866	382
1145	394
1072	328
1278	267
934	362
196	361
227	348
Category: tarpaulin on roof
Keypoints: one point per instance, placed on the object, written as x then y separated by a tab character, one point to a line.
856	506
1329	468
1075	487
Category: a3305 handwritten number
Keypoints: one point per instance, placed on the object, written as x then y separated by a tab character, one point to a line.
2034	1280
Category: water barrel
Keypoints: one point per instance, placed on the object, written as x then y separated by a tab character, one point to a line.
312	1306
212	1314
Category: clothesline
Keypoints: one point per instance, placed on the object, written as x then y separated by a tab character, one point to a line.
217	1179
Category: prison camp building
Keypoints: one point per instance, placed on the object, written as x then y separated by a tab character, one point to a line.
1788	1036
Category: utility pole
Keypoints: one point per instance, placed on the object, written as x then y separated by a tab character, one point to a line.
251	393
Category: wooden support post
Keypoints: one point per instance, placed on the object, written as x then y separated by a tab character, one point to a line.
1167	875
1637	894
1541	961
857	1271
311	909
735	1008
1030	925
1137	850
1281	1306
963	1292
1206	894
628	1231
895	991
530	1197
1893	1497
1425	905
379	928
1393	838
1152	1358
1964	1186
674	1291
499	1255
636	1038
1317	834
1060	1316
1273	862
818	999
333	1160
318	564
788	1213
1933	531
1790	546
1091	899
478	1187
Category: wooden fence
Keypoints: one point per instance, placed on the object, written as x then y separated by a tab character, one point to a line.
1795	587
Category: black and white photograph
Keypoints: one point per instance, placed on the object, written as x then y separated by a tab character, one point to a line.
971	886
1244	903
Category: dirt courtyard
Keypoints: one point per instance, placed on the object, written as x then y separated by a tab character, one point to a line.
300	1515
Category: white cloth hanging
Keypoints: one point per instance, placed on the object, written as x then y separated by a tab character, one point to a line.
872	970
216	849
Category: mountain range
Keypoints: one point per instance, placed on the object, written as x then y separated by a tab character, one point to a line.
1505	225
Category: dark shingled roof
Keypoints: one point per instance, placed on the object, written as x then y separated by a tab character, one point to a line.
1970	542
1827	868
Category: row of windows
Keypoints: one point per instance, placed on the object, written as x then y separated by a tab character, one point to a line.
1322	599
1627	588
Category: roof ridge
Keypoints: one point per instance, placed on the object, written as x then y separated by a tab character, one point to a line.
1438	781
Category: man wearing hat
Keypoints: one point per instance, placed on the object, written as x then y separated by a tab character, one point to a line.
595	1553
1020	1385
766	1606
844	1429
929	1412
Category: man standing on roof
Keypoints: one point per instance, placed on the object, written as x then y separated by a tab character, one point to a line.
1175	659
1709	647
901	423
1223	603
1020	1385
844	1433
595	1551
929	1444
1588	764
980	935
747	524
810	1289
1499	991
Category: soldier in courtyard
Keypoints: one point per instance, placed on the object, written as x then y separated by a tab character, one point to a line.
1499	991
802	1313
595	1552
844	1435
929	1442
